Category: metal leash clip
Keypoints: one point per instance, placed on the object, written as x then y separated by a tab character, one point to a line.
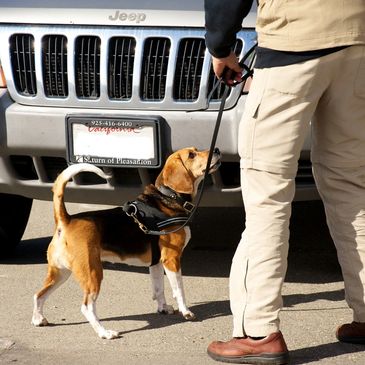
127	209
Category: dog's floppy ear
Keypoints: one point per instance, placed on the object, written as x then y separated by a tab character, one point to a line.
176	176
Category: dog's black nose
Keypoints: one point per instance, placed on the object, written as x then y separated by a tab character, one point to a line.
216	151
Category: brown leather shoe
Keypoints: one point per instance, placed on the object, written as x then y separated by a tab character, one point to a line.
270	350
351	332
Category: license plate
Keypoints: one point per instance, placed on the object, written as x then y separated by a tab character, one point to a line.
111	141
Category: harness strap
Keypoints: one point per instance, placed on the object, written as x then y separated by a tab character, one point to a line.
149	219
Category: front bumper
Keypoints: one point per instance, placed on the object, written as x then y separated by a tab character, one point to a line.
33	153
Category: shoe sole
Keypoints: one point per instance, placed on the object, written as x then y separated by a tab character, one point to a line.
261	359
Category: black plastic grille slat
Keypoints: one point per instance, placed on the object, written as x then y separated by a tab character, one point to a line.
218	93
189	67
120	67
87	68
23	65
53	166
304	174
154	68
24	167
230	173
126	177
54	62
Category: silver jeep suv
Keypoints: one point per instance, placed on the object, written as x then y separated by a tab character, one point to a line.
118	84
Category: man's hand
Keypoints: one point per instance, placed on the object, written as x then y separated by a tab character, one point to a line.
229	66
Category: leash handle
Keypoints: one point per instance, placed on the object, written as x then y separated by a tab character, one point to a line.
246	63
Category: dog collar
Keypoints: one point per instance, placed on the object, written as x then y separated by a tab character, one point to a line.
172	194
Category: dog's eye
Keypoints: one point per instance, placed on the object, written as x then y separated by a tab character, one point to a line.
192	154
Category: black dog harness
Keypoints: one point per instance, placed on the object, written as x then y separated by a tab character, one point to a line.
152	220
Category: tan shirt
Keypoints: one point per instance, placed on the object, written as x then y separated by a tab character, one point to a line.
302	25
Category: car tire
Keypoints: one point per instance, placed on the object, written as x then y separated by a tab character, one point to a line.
14	215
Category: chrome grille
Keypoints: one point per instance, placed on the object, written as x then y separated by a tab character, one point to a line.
114	68
54	61
87	67
23	63
154	68
120	67
189	65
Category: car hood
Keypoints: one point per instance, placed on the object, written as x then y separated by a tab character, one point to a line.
156	13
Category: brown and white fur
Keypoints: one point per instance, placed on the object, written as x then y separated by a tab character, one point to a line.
82	241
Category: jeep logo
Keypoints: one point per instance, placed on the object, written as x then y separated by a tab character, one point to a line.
132	17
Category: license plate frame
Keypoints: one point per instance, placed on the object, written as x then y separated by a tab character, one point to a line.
99	140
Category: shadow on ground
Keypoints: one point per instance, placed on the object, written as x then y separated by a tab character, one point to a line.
152	321
215	234
331	350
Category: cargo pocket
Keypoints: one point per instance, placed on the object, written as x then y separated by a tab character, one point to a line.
246	130
256	93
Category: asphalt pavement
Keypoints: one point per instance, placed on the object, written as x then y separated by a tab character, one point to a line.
313	300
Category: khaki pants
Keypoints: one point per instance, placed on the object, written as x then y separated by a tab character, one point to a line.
328	94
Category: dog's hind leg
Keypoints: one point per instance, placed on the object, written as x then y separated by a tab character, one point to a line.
55	278
88	309
90	281
158	289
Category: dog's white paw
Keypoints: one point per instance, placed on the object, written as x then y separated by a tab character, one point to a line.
188	315
108	334
39	321
166	309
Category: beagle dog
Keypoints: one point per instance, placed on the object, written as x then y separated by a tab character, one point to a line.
82	241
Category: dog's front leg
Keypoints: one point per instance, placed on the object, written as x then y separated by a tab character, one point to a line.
175	279
158	289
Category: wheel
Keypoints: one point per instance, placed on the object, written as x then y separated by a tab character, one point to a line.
14	215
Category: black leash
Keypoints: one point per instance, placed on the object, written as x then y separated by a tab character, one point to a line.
246	63
133	214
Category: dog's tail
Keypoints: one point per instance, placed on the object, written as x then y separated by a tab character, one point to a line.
60	212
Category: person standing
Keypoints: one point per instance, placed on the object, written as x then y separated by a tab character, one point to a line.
309	72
